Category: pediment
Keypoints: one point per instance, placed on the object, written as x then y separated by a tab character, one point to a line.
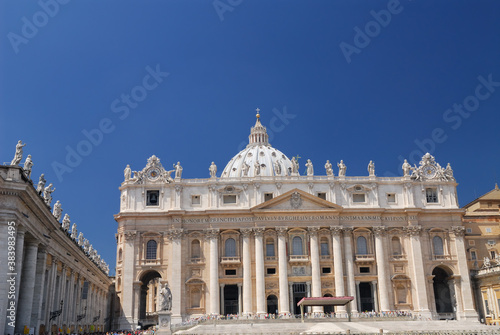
296	200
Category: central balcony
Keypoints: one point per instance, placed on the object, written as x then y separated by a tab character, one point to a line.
298	258
230	260
365	258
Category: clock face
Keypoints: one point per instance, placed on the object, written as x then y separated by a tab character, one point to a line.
153	174
429	171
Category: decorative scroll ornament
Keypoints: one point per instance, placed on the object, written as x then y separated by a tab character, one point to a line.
458	230
282	231
336	230
379	230
430	170
246	232
153	173
296	200
211	233
412	230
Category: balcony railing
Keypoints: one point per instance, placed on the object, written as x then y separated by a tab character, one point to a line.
441	257
325	257
365	258
271	258
230	260
196	260
150	262
399	257
299	258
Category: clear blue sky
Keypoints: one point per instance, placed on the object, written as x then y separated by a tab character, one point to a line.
65	72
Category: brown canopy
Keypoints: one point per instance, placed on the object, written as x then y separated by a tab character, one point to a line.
322	301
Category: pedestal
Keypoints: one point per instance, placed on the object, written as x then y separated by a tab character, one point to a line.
164	318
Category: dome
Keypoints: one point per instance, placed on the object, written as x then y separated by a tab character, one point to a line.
259	158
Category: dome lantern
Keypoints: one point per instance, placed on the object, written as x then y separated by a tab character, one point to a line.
258	133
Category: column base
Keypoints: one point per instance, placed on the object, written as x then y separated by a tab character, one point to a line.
468	315
425	314
164	322
125	323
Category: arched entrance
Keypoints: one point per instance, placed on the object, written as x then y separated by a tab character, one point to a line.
148	299
443	293
329	308
272	304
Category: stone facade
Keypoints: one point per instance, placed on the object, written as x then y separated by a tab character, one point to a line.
261	236
48	283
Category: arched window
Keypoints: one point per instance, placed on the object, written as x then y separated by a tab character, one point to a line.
151	249
120	255
437	243
297	248
325	250
195	298
361	245
270	247
195	249
230	247
396	246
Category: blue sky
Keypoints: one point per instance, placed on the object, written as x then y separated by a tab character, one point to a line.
331	81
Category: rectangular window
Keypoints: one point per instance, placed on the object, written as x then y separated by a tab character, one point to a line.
469	230
391	198
431	195
322	195
271	271
486	307
358	197
325	251
488	230
268	196
230	272
326	270
195	200
473	255
152	198
491	242
492	254
270	250
229	199
364	269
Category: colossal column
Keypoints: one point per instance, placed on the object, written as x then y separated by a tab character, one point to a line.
382	267
260	285
283	270
315	270
36	316
27	287
349	264
213	237
338	264
176	283
128	280
247	272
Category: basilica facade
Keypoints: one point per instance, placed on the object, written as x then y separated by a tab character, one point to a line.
258	237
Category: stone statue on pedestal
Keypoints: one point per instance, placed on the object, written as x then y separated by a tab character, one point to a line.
74	232
406	168
256	171
342	168
178	170
213	170
295	166
57	212
310	168
127	173
28	165
66	222
371	169
165	298
277	168
18	156
328	168
41	184
47	194
245	168
448	172
80	236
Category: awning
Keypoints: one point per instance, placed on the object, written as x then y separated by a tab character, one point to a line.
325	301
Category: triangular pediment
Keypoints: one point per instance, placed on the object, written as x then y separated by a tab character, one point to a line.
296	200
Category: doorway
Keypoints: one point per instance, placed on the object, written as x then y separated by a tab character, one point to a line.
366	297
230	299
442	293
299	292
272	304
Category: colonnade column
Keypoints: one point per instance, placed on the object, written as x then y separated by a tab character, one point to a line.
260	285
39	288
413	233
19	262
315	271
349	264
213	237
465	284
338	264
128	280
283	270
27	286
247	272
176	283
382	267
50	292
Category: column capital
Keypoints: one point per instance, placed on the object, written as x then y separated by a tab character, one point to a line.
258	231
175	234
458	230
313	230
178	188
212	233
246	232
282	231
336	230
412	230
347	230
379	230
130	235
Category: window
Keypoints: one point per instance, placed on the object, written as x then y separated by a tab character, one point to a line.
195	200
358	197
268	196
361	247
396	246
364	269
229	199
391	198
401	293
437	243
270	247
326	270
325	250
120	255
469	230
271	271
297	246
151	249
492	254
230	247
231	272
152	198
195	249
491	242
473	255
431	195
486	307
488	230
322	195
472	242
195	298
